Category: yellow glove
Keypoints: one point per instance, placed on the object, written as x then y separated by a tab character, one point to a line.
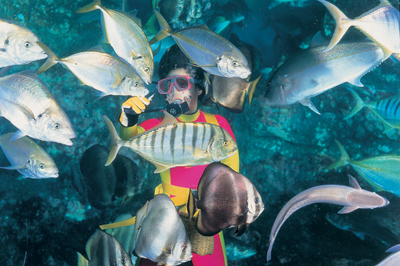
131	109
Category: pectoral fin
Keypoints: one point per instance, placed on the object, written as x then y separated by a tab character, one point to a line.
160	168
356	82
14	167
17	135
347	209
307	102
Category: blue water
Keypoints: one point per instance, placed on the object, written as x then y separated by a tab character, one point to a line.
282	150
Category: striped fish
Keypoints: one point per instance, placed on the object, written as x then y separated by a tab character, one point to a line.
380	24
103	250
382	172
387	110
172	144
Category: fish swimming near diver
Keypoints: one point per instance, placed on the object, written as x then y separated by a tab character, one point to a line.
18	45
352	198
381	24
106	183
172	143
126	36
103	72
28	158
392	260
362	226
312	72
387	110
28	104
226	199
104	250
382	172
161	235
206	49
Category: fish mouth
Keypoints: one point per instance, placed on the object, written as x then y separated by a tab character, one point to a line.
54	175
67	142
245	74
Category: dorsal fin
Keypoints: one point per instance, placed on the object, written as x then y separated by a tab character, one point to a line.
353	182
168	119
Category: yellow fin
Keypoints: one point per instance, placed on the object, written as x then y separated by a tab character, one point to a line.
252	88
118	79
160	167
82	261
90	7
128	222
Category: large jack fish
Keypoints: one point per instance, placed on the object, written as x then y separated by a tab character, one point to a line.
172	144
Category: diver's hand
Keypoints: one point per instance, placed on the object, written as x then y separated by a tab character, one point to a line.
131	109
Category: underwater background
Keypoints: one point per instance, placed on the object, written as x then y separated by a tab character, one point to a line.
283	151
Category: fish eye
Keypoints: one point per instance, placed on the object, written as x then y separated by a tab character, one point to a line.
146	69
27	44
225	143
183	247
135	84
41	166
56	125
257	200
235	64
29	161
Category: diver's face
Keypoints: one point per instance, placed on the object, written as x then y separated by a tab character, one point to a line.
190	96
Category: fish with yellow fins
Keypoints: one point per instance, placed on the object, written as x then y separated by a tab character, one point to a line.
127	38
103	72
380	24
163	145
382	172
387	110
225	199
352	198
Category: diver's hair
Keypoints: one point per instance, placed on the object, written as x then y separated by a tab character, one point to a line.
174	58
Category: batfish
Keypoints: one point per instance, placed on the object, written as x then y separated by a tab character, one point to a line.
161	235
352	198
172	144
226	199
104	250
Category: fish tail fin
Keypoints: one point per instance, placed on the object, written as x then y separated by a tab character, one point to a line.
343	23
51	60
359	104
343	160
252	88
82	261
90	7
165	30
191	206
115	141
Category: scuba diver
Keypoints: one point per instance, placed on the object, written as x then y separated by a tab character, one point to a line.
181	83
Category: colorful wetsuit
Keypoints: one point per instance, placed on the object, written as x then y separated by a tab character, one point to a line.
177	180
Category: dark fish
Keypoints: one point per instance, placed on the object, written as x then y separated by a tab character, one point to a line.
104	250
105	183
100	180
361	226
237	250
226	199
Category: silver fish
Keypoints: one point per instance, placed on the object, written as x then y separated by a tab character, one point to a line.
380	24
104	250
387	110
103	72
382	172
392	260
172	144
313	72
206	49
352	198
28	104
127	38
28	158
161	235
18	45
